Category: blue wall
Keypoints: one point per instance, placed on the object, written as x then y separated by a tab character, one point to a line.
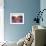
28	7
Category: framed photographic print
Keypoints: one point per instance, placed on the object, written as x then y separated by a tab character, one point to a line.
16	18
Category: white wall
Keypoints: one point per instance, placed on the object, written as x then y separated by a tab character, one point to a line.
43	6
1	20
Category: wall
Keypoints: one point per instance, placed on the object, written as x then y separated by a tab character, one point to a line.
1	20
43	6
28	7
